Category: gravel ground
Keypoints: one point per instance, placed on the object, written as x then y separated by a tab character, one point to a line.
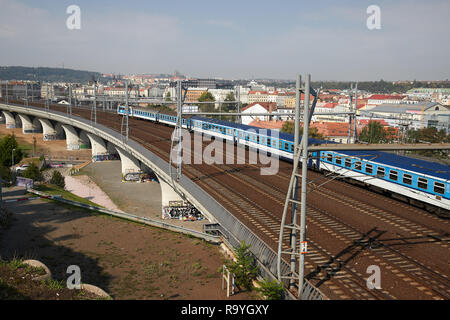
143	199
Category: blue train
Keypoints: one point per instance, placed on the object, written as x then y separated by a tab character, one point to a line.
419	182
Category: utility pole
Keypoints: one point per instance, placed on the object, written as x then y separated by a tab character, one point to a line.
355	134
26	93
7	91
350	107
293	235
95	101
304	183
238	96
46	99
179	127
128	108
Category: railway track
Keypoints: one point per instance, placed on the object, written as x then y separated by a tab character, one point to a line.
333	238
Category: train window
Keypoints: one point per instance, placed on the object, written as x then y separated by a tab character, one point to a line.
407	178
338	160
329	157
358	165
280	145
439	187
369	168
422	183
348	163
291	147
269	142
380	172
257	139
393	175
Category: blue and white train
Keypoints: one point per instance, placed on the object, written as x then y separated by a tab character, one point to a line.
419	182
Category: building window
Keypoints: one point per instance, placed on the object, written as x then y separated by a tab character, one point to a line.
422	183
393	175
407	178
369	168
380	172
439	187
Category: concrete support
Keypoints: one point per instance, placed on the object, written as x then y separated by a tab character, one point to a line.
49	132
72	140
9	120
167	194
130	165
27	124
98	147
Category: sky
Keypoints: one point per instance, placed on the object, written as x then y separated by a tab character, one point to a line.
243	39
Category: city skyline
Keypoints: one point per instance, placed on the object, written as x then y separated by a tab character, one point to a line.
246	41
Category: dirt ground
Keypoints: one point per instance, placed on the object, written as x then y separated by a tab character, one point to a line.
126	259
56	149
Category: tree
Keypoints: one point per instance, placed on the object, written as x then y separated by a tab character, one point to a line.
244	268
6	174
206	97
289	127
431	135
32	172
271	290
168	96
7	145
58	179
227	107
374	132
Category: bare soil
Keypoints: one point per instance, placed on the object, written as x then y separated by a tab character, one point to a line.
126	259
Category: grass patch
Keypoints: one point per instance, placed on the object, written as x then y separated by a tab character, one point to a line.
55	190
54	284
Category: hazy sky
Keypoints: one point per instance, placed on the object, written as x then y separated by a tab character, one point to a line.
233	39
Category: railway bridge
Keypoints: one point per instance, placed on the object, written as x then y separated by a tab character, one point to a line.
349	228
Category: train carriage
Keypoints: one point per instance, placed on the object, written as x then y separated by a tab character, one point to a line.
419	182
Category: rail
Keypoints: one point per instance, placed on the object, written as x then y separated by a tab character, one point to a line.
233	229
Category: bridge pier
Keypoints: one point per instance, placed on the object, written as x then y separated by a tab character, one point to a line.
27	124
49	132
99	148
10	121
167	193
72	140
130	165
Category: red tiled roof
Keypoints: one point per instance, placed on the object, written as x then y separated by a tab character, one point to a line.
331	129
267	124
385	97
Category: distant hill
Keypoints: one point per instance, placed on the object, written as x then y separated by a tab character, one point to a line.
47	74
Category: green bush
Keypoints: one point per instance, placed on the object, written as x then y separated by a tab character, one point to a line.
244	268
271	290
32	172
58	179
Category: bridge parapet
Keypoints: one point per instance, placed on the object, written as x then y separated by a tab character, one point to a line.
234	230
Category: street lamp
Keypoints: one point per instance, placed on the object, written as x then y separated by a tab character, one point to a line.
12	164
